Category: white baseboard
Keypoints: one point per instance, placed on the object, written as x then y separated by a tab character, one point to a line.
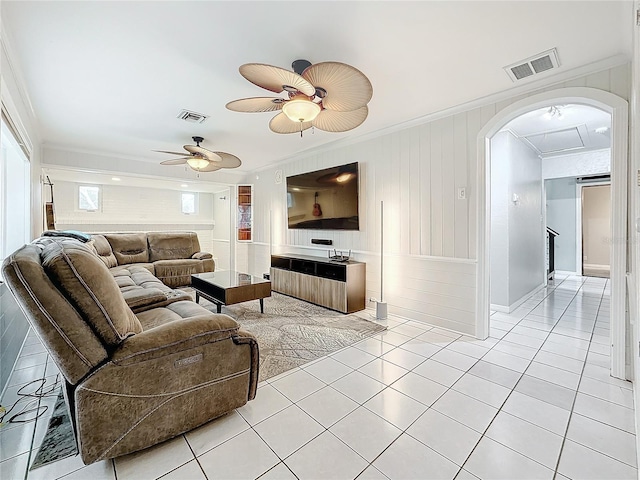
517	303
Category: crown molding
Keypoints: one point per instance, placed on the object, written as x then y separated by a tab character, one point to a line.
516	90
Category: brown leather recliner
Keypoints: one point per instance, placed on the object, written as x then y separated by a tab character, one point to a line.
131	381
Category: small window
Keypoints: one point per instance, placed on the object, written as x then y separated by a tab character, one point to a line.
89	198
188	203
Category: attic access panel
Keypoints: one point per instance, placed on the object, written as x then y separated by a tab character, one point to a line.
558	141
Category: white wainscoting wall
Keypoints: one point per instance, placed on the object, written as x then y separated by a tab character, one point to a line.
430	234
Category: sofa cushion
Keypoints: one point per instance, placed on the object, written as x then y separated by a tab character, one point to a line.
178	311
142	291
172	245
176	273
90	287
104	251
126	268
129	247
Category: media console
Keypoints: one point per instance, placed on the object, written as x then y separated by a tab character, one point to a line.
333	284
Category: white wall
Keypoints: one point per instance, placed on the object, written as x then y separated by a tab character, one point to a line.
131	209
500	166
417	172
526	230
517	238
16	100
561	216
596	162
222	229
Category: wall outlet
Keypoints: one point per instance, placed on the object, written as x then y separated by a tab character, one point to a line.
462	193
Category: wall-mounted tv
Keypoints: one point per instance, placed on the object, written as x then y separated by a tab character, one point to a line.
325	199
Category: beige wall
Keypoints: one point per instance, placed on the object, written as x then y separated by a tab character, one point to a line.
596	225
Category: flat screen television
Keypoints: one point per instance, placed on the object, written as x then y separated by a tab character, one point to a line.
325	199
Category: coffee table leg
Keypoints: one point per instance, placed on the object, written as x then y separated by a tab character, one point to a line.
197	296
261	305
219	305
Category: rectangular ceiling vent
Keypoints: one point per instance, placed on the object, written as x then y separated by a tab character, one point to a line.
533	65
193	117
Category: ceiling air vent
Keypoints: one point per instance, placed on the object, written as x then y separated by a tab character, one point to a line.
533	65
192	117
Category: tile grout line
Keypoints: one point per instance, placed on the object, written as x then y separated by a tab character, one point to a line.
194	456
516	384
566	431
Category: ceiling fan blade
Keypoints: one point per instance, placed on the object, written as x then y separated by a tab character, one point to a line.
275	78
256	104
203	152
333	121
347	87
212	167
281	124
175	161
228	160
172	153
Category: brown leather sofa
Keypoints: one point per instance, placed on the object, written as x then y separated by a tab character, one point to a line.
132	380
171	256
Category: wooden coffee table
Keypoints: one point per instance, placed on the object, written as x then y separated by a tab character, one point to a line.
226	287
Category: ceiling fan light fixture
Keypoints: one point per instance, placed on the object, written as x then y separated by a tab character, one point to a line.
301	110
198	163
344	177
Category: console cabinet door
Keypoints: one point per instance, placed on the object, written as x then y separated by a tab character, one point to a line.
284	281
332	294
308	286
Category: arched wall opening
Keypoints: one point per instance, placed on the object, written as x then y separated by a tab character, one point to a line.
617	107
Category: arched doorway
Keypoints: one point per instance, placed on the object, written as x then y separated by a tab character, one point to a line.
617	107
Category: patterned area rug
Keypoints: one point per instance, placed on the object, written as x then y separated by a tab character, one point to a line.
290	333
59	441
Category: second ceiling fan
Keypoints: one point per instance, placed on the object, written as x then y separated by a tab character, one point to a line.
202	160
330	96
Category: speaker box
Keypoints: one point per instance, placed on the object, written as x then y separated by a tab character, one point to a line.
321	241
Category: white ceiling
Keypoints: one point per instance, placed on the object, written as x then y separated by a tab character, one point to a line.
112	76
570	128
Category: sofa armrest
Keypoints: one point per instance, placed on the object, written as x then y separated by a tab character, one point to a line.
174	337
244	338
163	382
201	255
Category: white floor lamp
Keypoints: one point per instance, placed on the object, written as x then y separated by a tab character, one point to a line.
381	305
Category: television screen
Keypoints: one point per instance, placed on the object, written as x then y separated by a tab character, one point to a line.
324	200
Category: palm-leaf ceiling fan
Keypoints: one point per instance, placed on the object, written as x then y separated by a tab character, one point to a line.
202	160
330	96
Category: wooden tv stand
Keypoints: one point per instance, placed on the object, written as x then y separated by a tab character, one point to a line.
332	284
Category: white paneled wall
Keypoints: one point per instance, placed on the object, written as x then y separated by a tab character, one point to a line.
126	208
430	235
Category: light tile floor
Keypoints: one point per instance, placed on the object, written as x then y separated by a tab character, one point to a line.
534	400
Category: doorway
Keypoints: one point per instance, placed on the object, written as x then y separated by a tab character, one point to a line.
596	228
617	107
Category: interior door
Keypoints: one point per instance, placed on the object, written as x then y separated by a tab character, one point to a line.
596	230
